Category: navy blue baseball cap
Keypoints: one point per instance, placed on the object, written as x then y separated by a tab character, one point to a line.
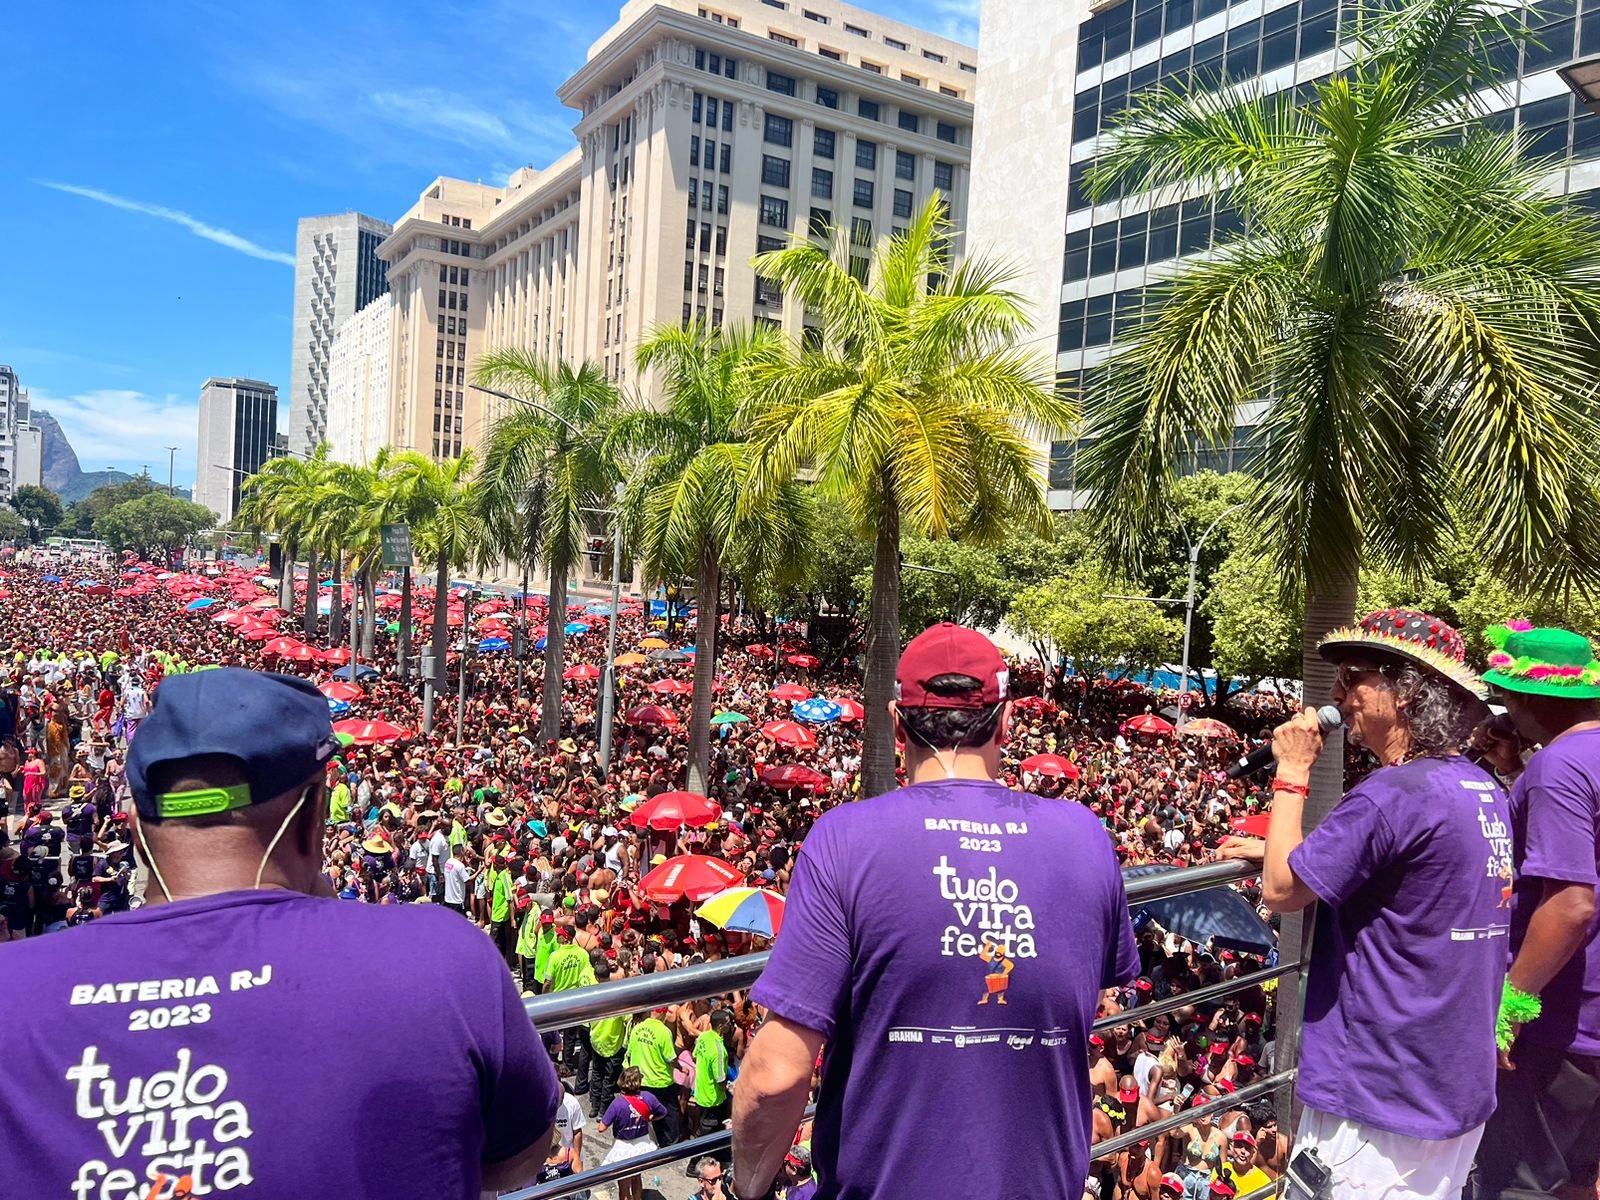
275	726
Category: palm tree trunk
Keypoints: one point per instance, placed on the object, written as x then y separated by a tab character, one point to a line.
705	668
883	653
1327	607
555	646
369	590
336	602
286	578
308	627
405	621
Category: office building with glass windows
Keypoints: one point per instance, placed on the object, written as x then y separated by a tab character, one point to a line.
1105	54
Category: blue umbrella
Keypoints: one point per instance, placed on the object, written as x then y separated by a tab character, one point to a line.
597	608
538	647
87	582
577	629
49	579
817	711
197	605
338	708
1218	915
490	645
361	672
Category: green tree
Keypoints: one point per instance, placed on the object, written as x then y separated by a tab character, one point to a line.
39	507
13	528
154	524
1255	629
693	470
542	466
1071	618
279	499
1417	314
79	518
918	411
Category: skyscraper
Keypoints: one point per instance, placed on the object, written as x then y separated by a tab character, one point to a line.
21	452
1090	59
732	124
337	273
238	432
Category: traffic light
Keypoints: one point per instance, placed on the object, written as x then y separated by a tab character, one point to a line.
597	554
519	643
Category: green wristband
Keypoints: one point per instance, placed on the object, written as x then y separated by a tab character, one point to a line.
1517	1007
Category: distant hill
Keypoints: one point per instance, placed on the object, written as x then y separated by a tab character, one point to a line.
62	473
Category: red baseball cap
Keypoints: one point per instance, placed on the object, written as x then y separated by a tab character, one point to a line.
951	649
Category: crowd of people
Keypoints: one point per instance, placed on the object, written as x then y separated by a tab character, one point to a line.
529	840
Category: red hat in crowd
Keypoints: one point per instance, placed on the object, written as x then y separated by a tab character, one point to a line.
951	649
1241	1138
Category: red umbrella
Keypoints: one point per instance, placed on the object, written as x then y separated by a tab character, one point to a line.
338	689
1036	704
257	633
790	734
672	809
98	589
230	616
793	775
582	671
651	714
790	692
1209	727
849	710
803	660
1050	764
696	876
1147	723
671	687
759	651
367	733
282	647
339	654
302	653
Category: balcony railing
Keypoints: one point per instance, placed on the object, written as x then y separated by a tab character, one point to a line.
561	1010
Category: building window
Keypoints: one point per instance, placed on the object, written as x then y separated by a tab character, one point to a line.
822	183
871	66
910	122
902	202
911	79
705	194
688	276
946	132
689	238
722	199
694	192
699	102
727	156
949	91
705	278
833	54
905	165
867	108
775	211
730	67
814	16
774	171
860	231
944	176
711	111
768	293
716	289
969	68
821	223
705	235
866	154
779	130
777	4
932	57
765	244
784	85
822	147
863	193
827	97
783	38
722	239
895	44
857	30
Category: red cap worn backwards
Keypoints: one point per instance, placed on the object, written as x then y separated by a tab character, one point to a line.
950	649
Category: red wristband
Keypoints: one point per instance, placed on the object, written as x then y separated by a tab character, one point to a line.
1298	789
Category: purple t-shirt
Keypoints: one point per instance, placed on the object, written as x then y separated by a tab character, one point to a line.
1409	950
952	939
626	1123
1555	825
250	1039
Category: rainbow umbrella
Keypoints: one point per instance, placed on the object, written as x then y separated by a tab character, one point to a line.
745	910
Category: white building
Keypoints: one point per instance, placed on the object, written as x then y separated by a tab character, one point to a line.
358	384
21	445
238	432
336	274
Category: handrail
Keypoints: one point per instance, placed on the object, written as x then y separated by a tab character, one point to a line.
1222	1104
576	1006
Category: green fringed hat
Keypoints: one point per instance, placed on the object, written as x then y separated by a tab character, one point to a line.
1542	662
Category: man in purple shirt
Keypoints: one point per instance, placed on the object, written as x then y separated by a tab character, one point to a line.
1397	1057
950	939
204	1043
1544	1138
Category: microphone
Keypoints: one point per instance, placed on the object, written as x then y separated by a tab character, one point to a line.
1329	718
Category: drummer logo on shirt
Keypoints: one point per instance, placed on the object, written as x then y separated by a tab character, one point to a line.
989	922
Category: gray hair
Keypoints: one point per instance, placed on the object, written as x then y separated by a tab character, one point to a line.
1438	716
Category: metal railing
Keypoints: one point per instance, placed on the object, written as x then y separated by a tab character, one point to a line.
579	1006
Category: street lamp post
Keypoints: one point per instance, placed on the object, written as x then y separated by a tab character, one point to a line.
608	685
172	455
469	604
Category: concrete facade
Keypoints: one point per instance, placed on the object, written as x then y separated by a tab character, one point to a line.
358	384
238	433
337	273
707	134
21	446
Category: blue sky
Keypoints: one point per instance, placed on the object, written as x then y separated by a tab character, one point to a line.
157	157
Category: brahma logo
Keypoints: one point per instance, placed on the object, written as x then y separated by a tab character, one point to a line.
905	1035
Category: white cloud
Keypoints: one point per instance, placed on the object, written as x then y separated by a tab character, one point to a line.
126	429
211	233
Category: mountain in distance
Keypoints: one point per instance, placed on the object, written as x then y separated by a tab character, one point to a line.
62	473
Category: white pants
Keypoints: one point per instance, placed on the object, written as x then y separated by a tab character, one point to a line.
1374	1164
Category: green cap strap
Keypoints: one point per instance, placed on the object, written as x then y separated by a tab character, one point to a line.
203	802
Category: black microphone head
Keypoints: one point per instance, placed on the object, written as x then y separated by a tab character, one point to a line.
1329	718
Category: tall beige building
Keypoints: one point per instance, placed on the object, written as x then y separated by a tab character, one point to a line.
707	134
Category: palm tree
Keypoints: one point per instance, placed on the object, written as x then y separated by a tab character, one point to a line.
345	507
278	499
1418	315
441	498
693	468
542	466
918	412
